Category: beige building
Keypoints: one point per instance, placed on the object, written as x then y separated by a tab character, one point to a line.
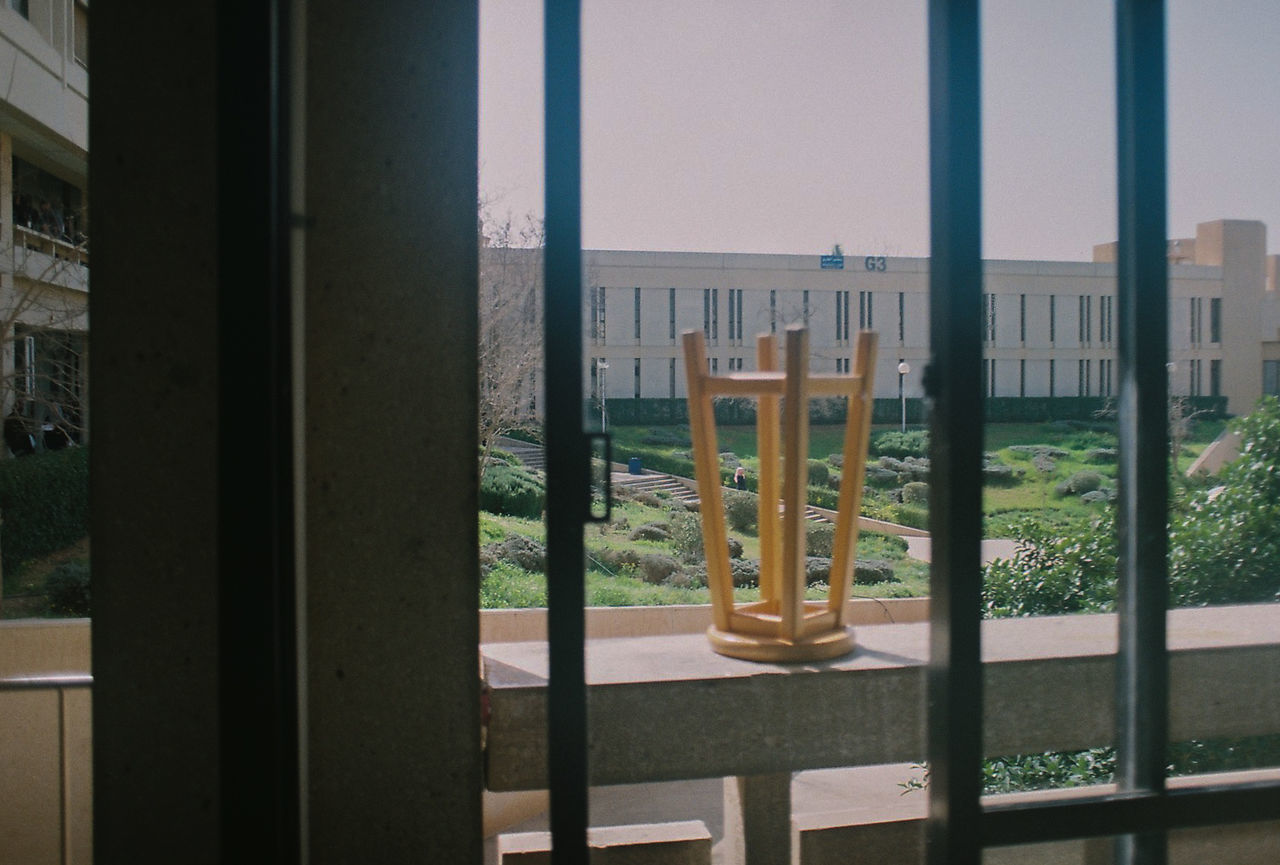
44	258
1050	326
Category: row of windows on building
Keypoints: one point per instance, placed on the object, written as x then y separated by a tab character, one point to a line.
711	306
1094	377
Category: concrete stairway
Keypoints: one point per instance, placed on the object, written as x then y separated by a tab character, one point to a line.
656	482
531	455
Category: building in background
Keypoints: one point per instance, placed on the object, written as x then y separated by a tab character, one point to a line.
1049	326
44	231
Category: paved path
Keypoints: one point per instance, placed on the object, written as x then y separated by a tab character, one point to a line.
992	549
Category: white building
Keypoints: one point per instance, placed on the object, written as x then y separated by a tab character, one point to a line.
44	258
1050	326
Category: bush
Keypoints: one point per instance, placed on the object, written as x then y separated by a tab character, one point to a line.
893	443
686	535
819	538
652	532
1100	455
68	589
513	491
44	502
1083	481
741	511
656	569
915	493
818	473
911	515
868	571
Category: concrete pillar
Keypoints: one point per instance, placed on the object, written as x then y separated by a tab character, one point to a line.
390	365
757	818
1239	247
7	261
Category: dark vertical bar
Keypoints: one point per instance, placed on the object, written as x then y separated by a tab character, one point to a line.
953	381
258	666
568	477
1142	515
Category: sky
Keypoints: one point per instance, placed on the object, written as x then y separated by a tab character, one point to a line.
788	127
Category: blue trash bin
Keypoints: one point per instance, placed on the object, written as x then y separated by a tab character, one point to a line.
633	466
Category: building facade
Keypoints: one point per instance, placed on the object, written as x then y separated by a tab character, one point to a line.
1049	326
44	256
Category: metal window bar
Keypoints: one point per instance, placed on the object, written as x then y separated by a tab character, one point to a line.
568	475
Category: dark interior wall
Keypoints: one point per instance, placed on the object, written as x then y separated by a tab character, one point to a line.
386	441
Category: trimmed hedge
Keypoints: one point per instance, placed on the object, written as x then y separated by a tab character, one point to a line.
44	502
513	491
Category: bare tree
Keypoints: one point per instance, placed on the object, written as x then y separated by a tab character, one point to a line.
43	337
510	350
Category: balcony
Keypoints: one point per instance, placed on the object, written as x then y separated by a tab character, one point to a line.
823	746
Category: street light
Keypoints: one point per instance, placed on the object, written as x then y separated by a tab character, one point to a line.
903	369
601	366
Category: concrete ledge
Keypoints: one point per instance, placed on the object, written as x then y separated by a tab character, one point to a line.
33	647
683	843
667	708
528	625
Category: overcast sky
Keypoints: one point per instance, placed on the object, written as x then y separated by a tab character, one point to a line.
765	126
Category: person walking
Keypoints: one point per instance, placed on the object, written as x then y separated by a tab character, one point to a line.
740	478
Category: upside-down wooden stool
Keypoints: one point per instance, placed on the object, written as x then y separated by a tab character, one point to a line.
781	626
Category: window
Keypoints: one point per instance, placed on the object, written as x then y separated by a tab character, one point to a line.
1052	366
805	307
715	314
1215	319
706	313
1215	377
773	311
735	315
1104	318
1104	377
1082	372
1271	377
988	318
81	40
603	335
1053	319
902	317
671	376
842	316
1022	318
637	314
593	314
1195	314
1086	319
865	320
671	313
21	7
1022	377
637	388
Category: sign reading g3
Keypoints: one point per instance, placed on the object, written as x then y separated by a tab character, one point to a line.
874	262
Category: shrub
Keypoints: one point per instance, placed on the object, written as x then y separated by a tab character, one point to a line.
915	493
741	511
652	532
867	571
1083	481
881	477
818	473
686	535
1100	455
735	548
1000	475
655	568
513	491
911	515
68	589
819	538
899	444
44	502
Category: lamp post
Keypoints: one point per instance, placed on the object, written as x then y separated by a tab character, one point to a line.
601	366
903	369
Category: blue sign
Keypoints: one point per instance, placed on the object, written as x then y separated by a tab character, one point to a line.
832	262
